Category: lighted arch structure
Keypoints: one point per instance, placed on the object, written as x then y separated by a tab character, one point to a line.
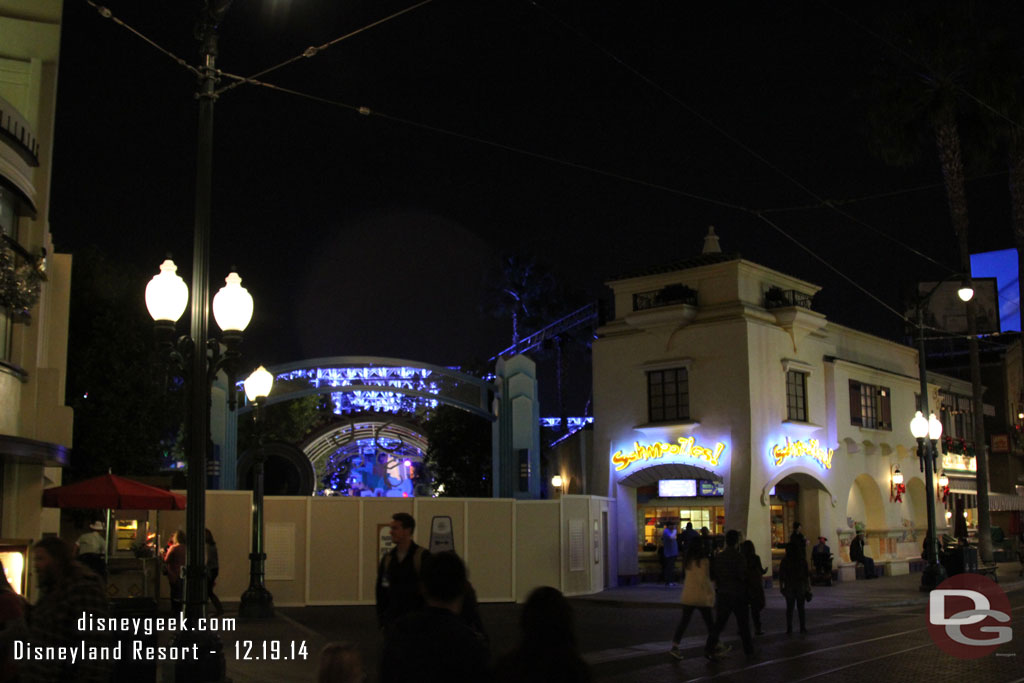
364	386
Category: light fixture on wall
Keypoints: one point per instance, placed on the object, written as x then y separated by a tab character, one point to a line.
943	490
560	483
949	516
896	486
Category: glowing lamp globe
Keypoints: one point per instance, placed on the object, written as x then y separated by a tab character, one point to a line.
166	294
232	305
919	426
258	384
966	291
934	427
556	481
943	480
897	477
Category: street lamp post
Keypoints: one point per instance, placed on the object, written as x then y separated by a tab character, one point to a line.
257	602
200	359
929	428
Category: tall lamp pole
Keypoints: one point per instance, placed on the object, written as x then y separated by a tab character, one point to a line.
257	602
930	428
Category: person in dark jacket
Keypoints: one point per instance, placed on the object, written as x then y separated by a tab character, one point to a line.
795	583
755	575
434	644
547	651
398	589
729	570
857	555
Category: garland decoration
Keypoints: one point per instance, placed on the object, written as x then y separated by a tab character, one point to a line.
20	283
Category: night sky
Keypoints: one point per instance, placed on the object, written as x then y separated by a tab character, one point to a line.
367	235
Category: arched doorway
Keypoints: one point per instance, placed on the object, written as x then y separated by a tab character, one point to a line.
797	497
677	493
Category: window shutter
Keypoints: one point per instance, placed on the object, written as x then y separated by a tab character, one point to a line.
855	418
884	407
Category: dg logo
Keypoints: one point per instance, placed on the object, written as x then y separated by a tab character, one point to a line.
969	616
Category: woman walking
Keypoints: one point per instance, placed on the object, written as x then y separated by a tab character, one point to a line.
698	593
212	569
795	583
755	591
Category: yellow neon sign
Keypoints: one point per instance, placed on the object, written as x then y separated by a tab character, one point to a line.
796	449
685	447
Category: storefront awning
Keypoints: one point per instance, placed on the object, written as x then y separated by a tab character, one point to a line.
1002	502
963	485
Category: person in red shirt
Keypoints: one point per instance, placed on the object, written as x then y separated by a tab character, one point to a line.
174	561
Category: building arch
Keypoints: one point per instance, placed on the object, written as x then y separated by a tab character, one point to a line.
865	503
916	502
651	474
358	385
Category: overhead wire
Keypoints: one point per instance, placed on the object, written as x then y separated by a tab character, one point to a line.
760	157
107	14
313	51
366	111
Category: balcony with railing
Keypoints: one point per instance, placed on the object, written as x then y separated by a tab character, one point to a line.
670	295
16	131
783	298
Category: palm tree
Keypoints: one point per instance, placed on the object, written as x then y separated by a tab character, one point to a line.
522	290
923	98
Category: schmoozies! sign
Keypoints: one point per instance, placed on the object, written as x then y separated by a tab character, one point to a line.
807	449
684	448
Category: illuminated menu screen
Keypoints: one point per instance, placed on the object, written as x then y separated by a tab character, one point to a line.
677	488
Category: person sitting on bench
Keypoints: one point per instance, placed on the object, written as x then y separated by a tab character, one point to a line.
821	556
857	555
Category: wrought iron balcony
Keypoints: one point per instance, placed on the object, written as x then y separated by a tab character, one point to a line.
669	295
782	298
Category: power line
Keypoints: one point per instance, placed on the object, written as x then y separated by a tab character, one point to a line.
367	111
313	51
107	14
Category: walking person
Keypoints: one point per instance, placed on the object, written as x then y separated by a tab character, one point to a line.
670	551
687	537
730	573
212	570
698	593
174	563
755	576
398	575
795	583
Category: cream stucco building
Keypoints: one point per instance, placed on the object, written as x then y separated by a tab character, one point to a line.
35	424
717	378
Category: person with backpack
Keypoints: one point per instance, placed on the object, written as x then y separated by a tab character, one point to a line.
398	575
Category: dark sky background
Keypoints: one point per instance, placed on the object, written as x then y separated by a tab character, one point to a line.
367	236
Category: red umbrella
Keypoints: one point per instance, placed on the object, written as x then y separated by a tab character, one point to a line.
112	492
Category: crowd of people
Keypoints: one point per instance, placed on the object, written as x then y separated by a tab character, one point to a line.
722	583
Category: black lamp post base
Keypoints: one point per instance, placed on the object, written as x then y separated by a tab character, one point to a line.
932	576
257	603
208	663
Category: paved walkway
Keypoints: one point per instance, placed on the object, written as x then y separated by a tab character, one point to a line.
895	591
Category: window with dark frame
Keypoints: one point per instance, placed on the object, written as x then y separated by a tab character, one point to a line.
668	395
796	395
870	406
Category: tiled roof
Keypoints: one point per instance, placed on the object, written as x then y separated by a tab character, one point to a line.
683	264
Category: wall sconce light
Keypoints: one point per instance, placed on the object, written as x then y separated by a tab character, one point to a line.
896	486
949	516
943	491
559	482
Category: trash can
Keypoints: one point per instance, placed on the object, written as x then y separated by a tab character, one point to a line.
129	670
